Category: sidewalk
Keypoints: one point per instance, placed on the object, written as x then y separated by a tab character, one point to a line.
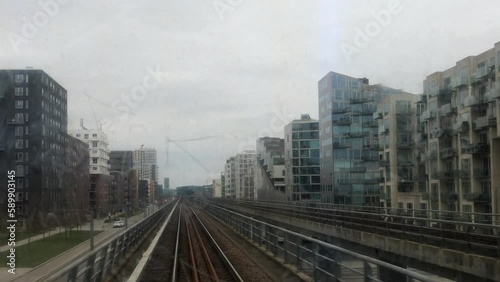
38	273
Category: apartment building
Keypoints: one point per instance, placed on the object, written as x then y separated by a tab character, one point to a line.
121	161
402	180
244	186
33	143
349	138
145	162
229	178
462	124
98	148
270	168
302	160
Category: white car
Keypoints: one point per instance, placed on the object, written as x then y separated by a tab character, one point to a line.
118	223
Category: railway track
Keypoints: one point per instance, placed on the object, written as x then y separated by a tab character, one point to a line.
189	252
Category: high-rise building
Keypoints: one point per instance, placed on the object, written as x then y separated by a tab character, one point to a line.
33	143
462	124
223	184
77	194
229	176
349	162
244	187
166	183
270	168
302	153
121	161
217	191
145	162
98	148
400	174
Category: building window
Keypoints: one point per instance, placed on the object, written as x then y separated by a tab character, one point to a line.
94	135
26	130
26	157
20	183
94	168
94	143
94	160
19	104
19	131
18	91
26	117
19	143
20	170
86	136
19	78
19	156
78	135
26	104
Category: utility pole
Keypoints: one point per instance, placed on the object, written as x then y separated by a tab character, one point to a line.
91	229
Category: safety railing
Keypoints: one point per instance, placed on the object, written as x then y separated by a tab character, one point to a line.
319	259
96	265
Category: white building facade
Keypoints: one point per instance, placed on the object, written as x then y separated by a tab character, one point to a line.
98	149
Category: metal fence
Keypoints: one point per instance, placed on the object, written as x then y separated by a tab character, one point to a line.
320	260
96	265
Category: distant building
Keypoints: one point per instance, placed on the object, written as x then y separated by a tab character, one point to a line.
144	160
166	183
302	160
217	189
270	168
230	174
77	194
33	143
244	187
98	148
223	185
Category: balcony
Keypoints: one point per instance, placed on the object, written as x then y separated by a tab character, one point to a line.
482	173
449	196
384	162
359	169
356	134
377	115
430	196
471	101
405	145
342	121
440	132
360	100
461	173
426	115
404	111
476	149
422	177
461	127
484	122
370	158
404	162
431	156
13	121
482	74
420	128
447	109
385	196
422	99
446	175
447	153
341	111
372	123
364	112
421	137
446	91
341	145
459	81
477	197
493	94
376	147
405	179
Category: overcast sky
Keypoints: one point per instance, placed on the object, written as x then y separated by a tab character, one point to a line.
228	71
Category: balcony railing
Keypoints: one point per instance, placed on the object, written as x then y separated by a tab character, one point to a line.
341	145
461	127
447	153
342	121
384	162
459	81
476	149
471	101
370	158
361	100
484	122
428	115
482	173
405	145
360	169
356	134
477	197
449	196
372	123
447	109
341	111
426	196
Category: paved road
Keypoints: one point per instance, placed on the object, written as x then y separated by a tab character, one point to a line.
45	269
